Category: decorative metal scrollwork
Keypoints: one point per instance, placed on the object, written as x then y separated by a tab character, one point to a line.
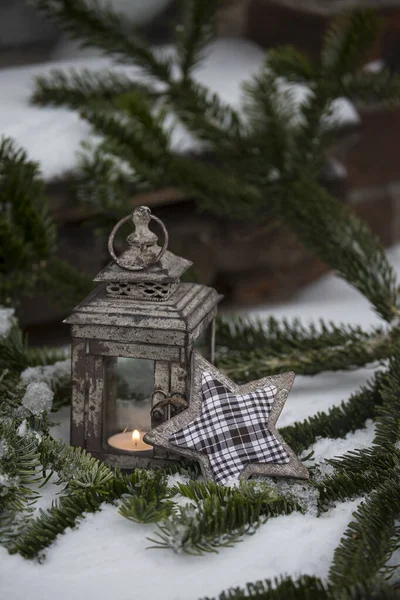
156	292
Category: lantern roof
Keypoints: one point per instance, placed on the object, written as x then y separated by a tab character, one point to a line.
185	310
144	260
140	289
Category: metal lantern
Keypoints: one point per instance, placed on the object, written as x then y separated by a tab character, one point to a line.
132	339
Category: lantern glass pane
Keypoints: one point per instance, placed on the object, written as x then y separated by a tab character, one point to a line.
129	385
203	343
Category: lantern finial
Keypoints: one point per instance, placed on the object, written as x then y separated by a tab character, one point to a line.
143	249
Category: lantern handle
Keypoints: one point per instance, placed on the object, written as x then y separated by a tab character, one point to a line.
145	239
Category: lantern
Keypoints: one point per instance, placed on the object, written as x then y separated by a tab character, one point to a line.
132	339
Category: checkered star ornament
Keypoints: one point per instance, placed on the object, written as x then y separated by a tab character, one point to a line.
230	428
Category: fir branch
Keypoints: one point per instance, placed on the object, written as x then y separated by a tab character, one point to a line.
147	498
62	284
381	457
387	431
295	67
369	87
370	539
345	485
78	89
199	491
349	416
271	116
309	588
283	336
348	40
253	364
104	184
27	234
16	355
218	520
343	242
206	115
218	192
195	32
102	27
285	588
141	141
39	533
19	470
74	467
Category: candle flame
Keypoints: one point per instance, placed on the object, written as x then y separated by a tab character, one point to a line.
135	435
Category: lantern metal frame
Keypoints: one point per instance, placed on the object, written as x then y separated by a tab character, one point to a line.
136	312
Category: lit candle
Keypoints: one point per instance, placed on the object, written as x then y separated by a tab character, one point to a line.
130	441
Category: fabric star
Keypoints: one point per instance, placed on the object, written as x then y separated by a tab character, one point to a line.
230	428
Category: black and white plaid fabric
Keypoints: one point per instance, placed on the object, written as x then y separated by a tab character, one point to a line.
232	430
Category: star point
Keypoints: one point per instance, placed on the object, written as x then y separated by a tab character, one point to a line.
230	428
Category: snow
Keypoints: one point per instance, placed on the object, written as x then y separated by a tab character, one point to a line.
38	397
6	320
106	555
326	448
23	428
53	136
59	372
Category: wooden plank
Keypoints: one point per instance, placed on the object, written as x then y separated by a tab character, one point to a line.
149	351
94	419
78	373
129	334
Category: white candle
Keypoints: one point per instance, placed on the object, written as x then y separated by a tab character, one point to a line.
129	440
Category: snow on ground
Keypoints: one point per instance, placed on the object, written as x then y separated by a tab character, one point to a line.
106	555
107	558
53	136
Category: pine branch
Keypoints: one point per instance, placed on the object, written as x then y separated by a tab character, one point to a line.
309	588
105	184
102	27
219	519
19	469
339	420
283	336
74	467
147	500
39	533
370	539
387	431
369	87
315	133
361	460
295	67
16	355
347	485
344	242
253	364
195	32
271	117
348	40
218	192
285	588
206	115
78	89
27	234
63	285
140	140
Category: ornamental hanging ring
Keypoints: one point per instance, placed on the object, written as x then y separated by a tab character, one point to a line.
143	250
